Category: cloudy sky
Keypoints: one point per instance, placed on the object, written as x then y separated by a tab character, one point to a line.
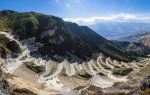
85	11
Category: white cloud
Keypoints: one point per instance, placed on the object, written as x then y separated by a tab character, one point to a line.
123	16
118	17
68	5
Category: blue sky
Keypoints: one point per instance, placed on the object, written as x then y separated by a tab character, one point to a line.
79	8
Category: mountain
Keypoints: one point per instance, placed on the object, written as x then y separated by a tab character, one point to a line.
58	57
114	30
134	47
56	38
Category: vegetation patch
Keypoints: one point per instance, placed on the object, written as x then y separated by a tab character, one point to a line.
34	68
122	71
145	92
86	75
22	91
106	67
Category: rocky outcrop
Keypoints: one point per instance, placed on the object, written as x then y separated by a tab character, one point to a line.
145	84
4	87
89	90
8	47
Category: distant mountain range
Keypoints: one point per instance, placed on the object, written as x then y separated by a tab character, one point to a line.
137	43
143	38
132	36
136	48
58	39
116	30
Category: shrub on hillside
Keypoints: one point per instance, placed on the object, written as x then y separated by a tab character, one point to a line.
122	71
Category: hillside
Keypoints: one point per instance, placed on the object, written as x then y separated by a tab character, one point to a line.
134	48
58	39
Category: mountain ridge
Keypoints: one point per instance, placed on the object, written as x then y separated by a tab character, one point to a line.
59	37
